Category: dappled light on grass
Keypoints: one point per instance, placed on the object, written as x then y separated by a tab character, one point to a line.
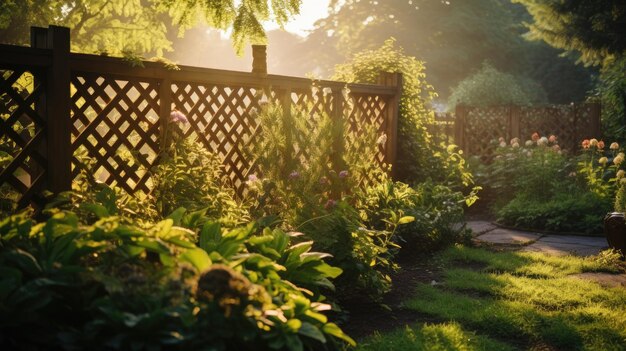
527	298
444	336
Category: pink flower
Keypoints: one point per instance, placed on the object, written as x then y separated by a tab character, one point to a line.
294	175
343	174
552	138
178	117
601	144
585	144
330	204
535	136
252	178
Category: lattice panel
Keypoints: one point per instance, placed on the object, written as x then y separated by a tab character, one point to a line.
222	118
441	129
315	102
482	126
115	121
22	135
367	119
557	120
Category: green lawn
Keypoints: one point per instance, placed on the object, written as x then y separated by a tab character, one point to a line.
513	301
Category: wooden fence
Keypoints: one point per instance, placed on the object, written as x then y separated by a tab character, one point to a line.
57	106
474	129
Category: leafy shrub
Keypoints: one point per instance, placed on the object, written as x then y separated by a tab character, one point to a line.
566	212
190	176
489	87
612	94
419	159
436	211
547	189
314	194
181	283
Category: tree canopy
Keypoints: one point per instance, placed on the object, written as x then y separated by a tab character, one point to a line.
140	26
489	87
452	37
596	30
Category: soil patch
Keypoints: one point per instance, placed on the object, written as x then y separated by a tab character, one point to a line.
366	318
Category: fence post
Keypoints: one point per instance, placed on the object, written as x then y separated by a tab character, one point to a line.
459	128
393	112
165	110
515	114
259	59
594	116
59	144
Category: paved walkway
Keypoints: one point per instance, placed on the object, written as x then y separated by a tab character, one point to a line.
549	244
537	242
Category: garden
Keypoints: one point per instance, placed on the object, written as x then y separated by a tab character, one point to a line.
153	206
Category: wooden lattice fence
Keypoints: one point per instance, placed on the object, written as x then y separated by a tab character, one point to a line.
79	106
474	129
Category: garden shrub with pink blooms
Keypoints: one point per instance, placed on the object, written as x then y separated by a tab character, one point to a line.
536	185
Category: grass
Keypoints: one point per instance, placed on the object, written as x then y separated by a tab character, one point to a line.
513	301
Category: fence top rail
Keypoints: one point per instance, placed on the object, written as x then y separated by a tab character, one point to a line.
13	55
114	66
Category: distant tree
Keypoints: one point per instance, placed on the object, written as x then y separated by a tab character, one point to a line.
452	37
489	86
139	26
596	30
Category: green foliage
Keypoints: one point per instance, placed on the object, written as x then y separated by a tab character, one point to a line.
190	176
452	37
611	91
138	26
565	212
417	159
620	199
180	283
97	26
535	185
302	180
489	87
592	29
435	210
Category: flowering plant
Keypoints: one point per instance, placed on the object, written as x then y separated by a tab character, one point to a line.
599	168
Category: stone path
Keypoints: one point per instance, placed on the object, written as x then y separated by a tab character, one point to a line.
537	242
549	244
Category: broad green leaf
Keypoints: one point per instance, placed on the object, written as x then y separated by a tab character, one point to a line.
309	330
334	330
328	270
197	257
211	233
406	219
96	209
177	215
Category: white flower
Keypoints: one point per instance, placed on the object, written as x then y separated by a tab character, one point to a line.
382	139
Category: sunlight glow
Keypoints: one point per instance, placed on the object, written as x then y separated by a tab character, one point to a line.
310	11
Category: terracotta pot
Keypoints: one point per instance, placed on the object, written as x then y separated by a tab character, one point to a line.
615	231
